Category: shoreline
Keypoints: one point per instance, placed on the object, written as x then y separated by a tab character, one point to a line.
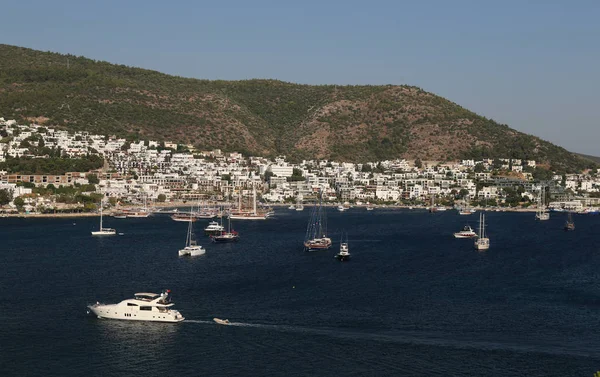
278	205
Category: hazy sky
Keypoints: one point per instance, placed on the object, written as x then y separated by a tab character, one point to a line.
533	65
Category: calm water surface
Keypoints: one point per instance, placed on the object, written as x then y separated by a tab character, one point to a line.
412	302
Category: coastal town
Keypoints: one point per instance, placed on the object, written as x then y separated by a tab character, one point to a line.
134	172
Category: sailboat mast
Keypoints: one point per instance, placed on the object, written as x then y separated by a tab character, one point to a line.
483	227
254	198
320	219
100	214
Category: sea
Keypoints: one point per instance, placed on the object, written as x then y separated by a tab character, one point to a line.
412	301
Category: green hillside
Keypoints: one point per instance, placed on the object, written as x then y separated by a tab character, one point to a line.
266	117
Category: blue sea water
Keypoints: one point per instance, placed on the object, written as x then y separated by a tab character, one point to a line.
413	301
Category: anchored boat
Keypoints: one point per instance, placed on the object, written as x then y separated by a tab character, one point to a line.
142	307
191	246
316	232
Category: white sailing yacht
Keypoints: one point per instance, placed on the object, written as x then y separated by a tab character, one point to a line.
103	231
191	247
482	242
542	214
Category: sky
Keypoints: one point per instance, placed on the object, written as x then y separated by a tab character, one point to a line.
533	65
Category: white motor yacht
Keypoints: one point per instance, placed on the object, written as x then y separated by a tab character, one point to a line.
344	253
214	227
467	232
143	307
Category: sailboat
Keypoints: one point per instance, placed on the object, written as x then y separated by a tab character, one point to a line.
299	205
316	232
246	215
103	231
229	236
191	247
541	213
569	224
432	208
482	242
344	253
465	210
205	212
142	213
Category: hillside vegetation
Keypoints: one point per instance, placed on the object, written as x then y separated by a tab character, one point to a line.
266	117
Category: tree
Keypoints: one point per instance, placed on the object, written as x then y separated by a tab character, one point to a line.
161	198
296	176
5	196
19	202
418	163
268	175
479	168
463	193
93	179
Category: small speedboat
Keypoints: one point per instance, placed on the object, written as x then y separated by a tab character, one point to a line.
221	321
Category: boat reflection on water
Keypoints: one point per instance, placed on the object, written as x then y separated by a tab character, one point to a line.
139	340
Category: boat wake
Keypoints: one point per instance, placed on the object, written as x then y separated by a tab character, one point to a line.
418	338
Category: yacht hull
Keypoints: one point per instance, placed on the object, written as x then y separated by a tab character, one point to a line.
458	235
192	251
238	217
218	239
317	245
101	233
129	314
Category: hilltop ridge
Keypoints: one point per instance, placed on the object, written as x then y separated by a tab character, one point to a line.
262	117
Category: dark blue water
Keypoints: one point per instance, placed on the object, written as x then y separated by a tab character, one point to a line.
412	302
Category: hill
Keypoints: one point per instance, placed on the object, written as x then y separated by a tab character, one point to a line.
588	157
266	117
